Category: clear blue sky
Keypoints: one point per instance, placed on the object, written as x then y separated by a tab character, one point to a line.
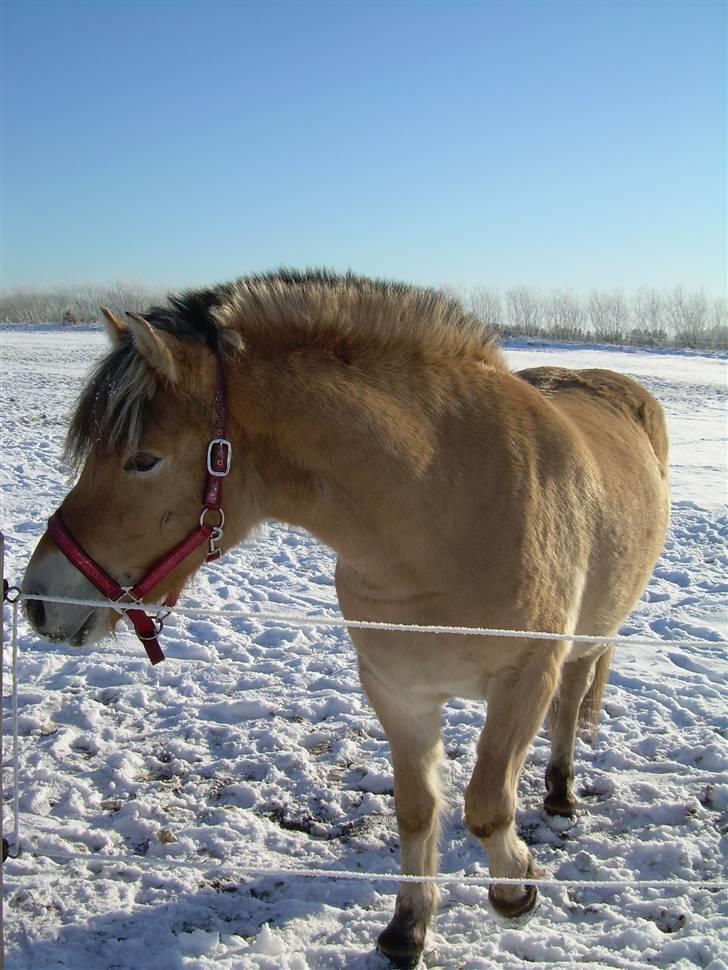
576	144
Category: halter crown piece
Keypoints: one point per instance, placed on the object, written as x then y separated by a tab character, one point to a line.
147	628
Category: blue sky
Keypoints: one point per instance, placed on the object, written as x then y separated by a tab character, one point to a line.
577	144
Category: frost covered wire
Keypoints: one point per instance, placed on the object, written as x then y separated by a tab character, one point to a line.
307	620
446	880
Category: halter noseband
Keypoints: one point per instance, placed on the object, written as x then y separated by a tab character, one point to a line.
219	454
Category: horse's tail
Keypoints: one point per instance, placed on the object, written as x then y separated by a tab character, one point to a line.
653	421
592	702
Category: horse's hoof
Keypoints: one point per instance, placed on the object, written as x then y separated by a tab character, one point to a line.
563	807
522	906
402	963
402	942
513	908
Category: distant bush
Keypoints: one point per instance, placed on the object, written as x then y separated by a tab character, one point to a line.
76	304
646	319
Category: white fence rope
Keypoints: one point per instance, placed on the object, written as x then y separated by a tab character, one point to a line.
460	879
327	621
308	621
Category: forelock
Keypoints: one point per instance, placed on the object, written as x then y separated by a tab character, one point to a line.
111	407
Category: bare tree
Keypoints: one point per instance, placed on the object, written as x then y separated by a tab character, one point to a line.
717	332
647	310
687	314
564	316
524	311
487	305
608	315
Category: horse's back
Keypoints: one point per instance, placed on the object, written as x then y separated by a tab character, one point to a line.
611	393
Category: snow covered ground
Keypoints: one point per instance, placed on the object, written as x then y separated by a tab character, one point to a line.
253	745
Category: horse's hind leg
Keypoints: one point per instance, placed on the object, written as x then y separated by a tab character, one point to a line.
579	698
517	704
413	729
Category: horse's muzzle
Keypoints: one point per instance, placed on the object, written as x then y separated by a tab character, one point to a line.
49	574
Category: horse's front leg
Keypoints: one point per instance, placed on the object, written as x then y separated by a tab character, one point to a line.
412	725
517	704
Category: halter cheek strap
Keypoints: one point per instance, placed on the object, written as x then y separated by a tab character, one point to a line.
219	456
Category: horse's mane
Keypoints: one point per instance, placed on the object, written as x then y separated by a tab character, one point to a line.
282	308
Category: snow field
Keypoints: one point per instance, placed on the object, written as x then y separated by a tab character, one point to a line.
253	744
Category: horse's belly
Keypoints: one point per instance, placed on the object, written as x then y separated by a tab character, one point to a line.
454	666
468	684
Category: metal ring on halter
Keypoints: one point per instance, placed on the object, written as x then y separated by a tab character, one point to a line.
158	629
220	524
7	590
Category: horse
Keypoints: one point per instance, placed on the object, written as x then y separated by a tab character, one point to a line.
384	420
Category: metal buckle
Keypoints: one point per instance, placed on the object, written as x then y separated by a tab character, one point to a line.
228	457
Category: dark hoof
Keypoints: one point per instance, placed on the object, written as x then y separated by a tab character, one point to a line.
402	942
511	908
523	905
563	807
402	963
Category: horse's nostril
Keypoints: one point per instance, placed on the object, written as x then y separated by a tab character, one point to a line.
36	613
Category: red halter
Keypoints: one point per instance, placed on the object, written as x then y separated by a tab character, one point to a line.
219	454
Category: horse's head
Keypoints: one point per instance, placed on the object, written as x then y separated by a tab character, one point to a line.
140	434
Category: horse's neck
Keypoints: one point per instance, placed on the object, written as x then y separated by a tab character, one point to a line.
332	443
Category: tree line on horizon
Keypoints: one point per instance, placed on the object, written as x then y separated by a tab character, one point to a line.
647	318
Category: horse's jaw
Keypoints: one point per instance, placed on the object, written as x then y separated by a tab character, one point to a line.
49	573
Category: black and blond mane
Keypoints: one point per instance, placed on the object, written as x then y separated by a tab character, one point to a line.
373	319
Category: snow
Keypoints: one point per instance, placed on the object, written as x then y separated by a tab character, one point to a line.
253	744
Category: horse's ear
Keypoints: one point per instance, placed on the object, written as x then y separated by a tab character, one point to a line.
115	327
161	350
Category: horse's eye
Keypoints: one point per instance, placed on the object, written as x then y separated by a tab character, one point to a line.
141	462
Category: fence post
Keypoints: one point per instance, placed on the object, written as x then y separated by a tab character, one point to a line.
2	762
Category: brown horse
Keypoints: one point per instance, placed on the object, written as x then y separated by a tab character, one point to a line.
454	492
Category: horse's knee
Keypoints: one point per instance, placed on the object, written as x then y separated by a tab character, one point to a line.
485	828
485	816
417	813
